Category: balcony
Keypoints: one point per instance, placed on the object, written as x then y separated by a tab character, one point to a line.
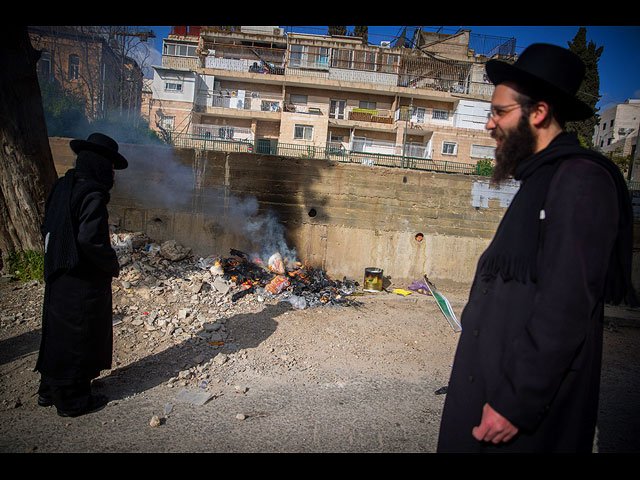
374	116
381	68
245	101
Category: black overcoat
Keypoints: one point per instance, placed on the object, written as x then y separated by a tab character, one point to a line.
533	350
77	332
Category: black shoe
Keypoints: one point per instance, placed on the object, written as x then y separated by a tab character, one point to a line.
44	401
96	402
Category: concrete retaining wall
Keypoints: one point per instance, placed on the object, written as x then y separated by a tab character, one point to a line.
340	217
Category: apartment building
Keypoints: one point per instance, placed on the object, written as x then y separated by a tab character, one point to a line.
322	93
618	128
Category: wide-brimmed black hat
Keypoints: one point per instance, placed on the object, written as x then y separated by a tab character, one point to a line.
105	146
546	72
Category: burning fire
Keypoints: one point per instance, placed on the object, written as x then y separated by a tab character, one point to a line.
281	277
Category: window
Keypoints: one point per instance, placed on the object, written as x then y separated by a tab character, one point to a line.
420	113
323	56
296	56
306	56
440	114
483	151
389	63
319	56
342	58
303	132
167	123
172	84
44	65
179	50
365	60
301	99
367	105
337	108
74	67
269	106
449	148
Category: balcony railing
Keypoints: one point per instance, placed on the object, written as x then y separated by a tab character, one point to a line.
380	67
222	132
241	100
330	152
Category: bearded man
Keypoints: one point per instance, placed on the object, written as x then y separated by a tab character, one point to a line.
526	372
79	263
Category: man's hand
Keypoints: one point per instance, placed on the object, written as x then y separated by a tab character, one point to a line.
493	427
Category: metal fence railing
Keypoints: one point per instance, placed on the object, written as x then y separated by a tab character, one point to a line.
337	154
261	146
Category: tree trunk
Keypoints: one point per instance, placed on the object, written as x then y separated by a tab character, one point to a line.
27	171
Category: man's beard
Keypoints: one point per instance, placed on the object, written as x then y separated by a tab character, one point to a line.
516	145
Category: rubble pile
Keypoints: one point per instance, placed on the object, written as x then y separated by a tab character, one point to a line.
164	296
164	287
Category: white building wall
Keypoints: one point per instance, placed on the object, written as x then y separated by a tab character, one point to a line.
471	114
163	77
617	123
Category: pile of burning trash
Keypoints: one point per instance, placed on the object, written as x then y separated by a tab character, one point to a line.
240	274
298	283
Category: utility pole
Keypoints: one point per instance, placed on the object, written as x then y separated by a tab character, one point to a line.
406	126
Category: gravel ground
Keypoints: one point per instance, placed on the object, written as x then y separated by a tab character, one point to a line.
361	377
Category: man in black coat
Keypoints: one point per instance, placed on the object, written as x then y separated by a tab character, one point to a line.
77	331
526	373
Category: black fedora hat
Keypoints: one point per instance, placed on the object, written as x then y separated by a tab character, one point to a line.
102	144
546	72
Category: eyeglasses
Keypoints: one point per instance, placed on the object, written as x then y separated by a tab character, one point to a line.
501	110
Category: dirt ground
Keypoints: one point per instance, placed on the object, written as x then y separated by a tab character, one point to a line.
357	378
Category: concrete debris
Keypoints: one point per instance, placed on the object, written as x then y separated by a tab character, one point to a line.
166	296
174	252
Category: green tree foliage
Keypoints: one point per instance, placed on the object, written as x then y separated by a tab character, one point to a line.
63	111
484	167
623	162
361	32
337	30
589	91
65	117
358	31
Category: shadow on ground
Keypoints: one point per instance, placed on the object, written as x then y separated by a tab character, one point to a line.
248	331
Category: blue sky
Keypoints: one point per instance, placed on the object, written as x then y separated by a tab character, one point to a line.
619	65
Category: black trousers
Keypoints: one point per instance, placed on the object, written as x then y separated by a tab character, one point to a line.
66	395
